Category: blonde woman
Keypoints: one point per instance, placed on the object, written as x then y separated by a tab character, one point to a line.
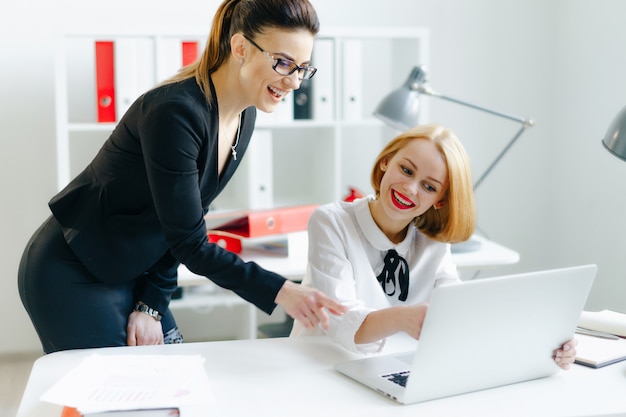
382	255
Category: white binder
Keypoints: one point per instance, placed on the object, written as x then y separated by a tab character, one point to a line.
283	113
251	186
323	83
352	99
134	71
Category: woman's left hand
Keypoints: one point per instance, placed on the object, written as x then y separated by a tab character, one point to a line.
143	329
565	355
307	305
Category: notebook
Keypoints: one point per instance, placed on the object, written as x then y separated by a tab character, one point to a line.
597	352
483	334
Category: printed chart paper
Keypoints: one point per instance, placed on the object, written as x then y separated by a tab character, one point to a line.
125	382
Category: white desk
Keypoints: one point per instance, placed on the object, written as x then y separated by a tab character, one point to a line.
490	254
295	377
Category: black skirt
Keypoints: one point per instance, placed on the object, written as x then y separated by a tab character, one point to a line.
69	307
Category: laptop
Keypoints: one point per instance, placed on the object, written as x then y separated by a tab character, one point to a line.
483	334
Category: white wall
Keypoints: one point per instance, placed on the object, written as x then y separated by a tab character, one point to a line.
26	152
552	198
588	199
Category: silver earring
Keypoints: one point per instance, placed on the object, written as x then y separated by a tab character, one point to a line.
240	61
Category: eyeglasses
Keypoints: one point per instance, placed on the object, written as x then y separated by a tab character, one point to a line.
285	66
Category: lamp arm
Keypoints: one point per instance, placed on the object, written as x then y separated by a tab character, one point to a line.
524	122
426	90
500	155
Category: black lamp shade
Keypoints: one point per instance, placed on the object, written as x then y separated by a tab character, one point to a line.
615	139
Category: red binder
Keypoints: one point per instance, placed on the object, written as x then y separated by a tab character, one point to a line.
190	52
259	223
105	81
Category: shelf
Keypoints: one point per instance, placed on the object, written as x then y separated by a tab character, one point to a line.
207	299
312	160
299	124
91	127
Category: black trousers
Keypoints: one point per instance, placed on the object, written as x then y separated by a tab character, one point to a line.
69	307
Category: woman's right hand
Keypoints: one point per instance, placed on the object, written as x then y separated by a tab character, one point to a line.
388	321
307	305
413	319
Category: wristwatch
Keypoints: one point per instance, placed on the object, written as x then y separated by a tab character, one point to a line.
144	308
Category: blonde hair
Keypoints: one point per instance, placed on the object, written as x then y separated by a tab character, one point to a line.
249	17
456	220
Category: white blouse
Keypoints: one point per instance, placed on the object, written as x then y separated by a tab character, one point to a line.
346	254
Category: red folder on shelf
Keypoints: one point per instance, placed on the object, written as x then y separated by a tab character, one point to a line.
260	223
190	52
105	81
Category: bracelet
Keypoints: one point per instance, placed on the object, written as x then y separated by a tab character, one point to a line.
144	308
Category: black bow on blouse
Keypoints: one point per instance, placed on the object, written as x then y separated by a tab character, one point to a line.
387	278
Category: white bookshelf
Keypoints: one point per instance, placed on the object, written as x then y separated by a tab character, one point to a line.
289	162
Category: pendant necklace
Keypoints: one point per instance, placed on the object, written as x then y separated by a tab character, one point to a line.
234	147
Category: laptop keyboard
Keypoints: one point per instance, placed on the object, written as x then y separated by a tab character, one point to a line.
399	378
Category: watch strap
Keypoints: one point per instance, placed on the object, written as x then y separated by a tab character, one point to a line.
144	308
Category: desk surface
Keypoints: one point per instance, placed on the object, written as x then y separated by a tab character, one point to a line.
295	377
293	267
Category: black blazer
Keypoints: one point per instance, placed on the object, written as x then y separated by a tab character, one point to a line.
138	208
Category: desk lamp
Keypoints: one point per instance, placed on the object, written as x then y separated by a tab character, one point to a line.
615	139
400	110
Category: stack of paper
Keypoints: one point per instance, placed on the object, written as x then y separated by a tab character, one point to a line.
132	382
604	321
161	412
